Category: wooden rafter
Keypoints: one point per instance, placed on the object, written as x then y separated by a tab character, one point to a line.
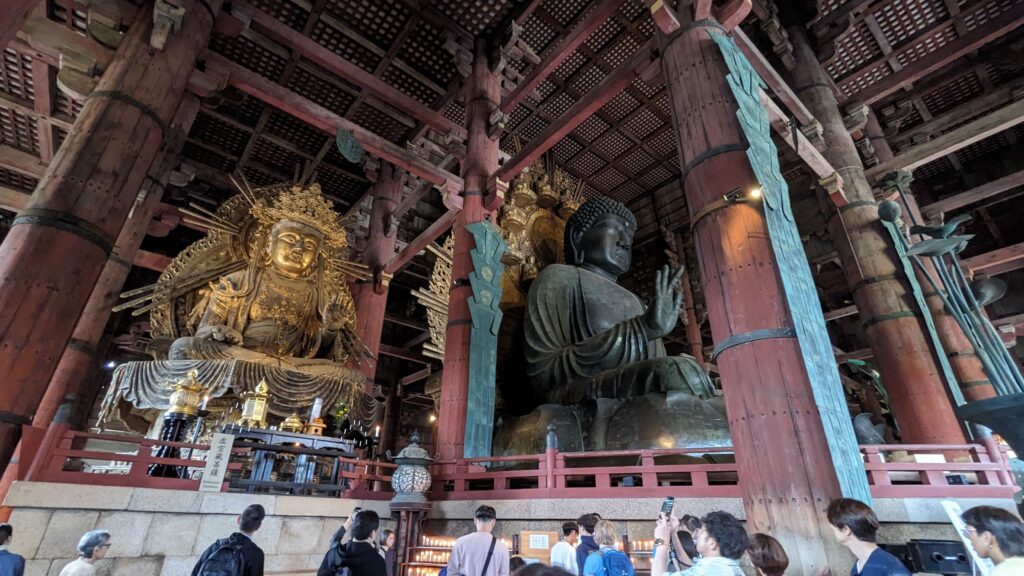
1004	259
561	49
607	89
432	233
315	115
979	129
977	194
304	46
1001	25
991	99
771	77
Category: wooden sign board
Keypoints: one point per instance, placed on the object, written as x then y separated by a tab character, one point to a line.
537	544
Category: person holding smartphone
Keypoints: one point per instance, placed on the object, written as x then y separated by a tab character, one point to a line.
721	541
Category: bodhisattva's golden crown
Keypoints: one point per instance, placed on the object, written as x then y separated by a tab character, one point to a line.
306	206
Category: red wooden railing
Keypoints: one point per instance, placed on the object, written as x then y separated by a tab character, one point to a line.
616	474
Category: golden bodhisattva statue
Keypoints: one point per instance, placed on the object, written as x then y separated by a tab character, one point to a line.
263	297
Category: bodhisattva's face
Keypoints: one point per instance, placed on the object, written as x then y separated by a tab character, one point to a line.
293	248
608	246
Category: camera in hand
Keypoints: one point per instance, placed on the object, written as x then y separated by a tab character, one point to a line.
667	505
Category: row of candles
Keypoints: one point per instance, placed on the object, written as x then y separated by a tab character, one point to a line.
432	557
422	570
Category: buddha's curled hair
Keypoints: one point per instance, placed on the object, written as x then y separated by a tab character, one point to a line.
588	214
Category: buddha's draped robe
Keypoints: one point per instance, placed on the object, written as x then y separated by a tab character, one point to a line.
585	339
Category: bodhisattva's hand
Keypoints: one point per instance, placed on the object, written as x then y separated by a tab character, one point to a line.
220	333
663	313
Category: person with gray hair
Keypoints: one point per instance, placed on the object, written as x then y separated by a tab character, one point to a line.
92	546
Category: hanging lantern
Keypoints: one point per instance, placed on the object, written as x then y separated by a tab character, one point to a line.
411	479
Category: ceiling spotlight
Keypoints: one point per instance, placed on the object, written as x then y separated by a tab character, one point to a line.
433	418
755	193
111	365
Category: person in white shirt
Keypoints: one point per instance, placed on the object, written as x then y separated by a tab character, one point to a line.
479	553
563	554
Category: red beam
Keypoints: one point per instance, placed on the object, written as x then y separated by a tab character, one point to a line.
601	11
439	227
609	88
315	115
983	192
396	352
973	40
330	61
775	82
13	14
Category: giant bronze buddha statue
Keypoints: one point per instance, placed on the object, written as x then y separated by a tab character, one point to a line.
588	337
263	297
595	362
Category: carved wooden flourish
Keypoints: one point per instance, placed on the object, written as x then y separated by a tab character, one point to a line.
797	282
485	313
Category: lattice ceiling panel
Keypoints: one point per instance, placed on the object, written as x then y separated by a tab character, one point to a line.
257	177
565	149
380	21
926	45
207	157
852	51
288	13
987	13
656	177
249	54
532	127
902	20
410	86
570	65
565	12
344	46
960	90
18	130
621	106
380	123
64	104
982	148
302	135
932	168
586	163
637	161
241	107
424	51
474	15
612	144
663	143
537	34
269	154
341	185
210	130
15	180
455	112
586	80
604	34
629	190
558	104
16	75
622	50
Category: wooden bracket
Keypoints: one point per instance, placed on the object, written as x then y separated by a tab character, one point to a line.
167	17
777	34
815	134
461	51
496	123
664	16
207	83
833	186
732	13
106	20
451	198
855	118
702	9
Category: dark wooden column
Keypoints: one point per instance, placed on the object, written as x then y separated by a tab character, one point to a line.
785	465
897	335
371	296
482	97
57	247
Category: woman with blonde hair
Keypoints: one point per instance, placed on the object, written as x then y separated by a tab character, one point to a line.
607	560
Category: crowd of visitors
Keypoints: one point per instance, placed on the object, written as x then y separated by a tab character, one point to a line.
710	546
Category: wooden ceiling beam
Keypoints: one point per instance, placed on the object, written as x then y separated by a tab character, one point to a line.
1017	321
315	115
607	89
979	129
418	244
771	77
321	56
1003	24
972	108
591	21
843	312
407	355
968	197
21	162
1005	259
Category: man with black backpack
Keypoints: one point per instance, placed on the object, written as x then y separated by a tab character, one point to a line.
357	557
236	555
479	553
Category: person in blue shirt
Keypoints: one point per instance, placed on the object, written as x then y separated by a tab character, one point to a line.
10	564
855	525
587	524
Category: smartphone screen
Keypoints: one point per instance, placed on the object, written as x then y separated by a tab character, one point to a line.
667	505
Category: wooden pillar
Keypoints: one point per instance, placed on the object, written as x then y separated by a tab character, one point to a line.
392	414
967	367
693	337
371	297
482	97
57	247
897	335
13	14
781	450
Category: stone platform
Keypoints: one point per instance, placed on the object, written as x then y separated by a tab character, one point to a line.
162	532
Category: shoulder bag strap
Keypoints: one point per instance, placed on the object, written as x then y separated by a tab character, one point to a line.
490	552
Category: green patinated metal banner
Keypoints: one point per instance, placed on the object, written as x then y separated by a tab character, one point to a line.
348	146
795	273
484	310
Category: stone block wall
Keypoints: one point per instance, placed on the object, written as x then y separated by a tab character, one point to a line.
163	532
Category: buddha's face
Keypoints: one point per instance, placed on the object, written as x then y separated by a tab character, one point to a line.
293	248
607	245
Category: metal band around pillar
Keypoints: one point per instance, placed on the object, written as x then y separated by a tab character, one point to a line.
753	336
15	419
975	383
707	154
121	97
874	280
65	222
890	316
81	346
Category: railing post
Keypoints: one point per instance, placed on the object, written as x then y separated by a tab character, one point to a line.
876	477
550	457
649	474
995	454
